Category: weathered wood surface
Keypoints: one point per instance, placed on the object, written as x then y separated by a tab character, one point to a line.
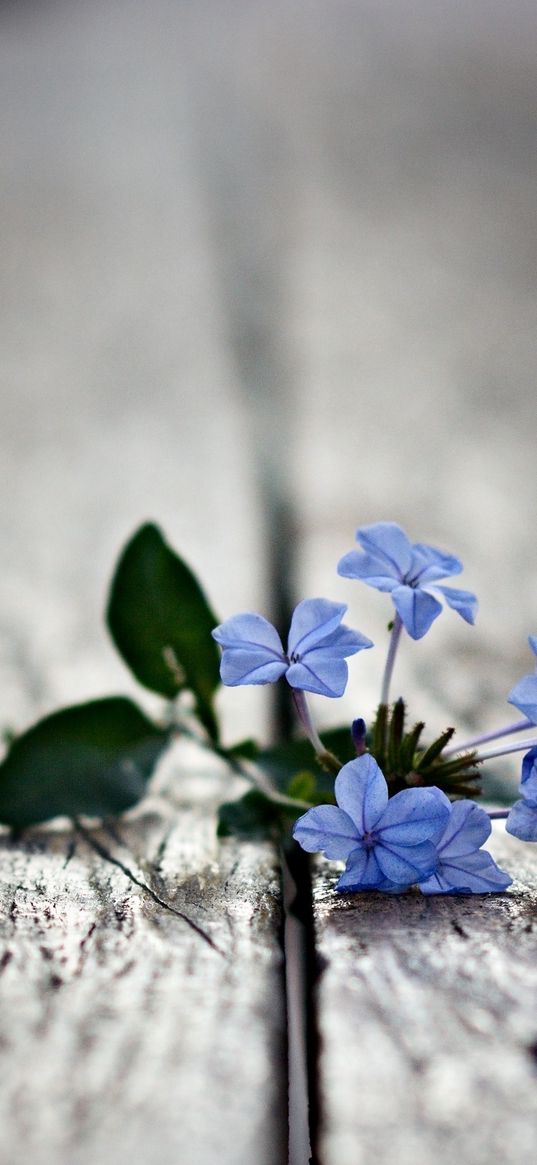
427	1012
247	239
125	1034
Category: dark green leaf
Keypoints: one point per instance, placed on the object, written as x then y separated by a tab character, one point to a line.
251	818
161	623
244	749
93	759
284	761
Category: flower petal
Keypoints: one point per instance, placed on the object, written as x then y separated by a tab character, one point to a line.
343	642
532	640
326	829
320	674
313	620
417	609
362	792
413	816
463	602
528	784
409	864
522	821
467	829
524	697
363	871
432	563
249	630
389	543
358	564
475	873
250	666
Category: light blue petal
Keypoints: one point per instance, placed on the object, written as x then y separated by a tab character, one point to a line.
475	873
313	620
389	543
343	642
467	829
463	602
407	865
362	792
320	674
433	564
524	697
522	821
532	640
363	872
249	630
326	829
528	783
373	571
417	609
413	816
249	666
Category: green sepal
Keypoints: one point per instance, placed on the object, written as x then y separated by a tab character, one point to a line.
433	751
161	623
92	759
409	745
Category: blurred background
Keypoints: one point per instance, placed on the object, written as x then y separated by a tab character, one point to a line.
253	249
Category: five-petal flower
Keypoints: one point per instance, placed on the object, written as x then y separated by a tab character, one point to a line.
463	867
524	693
410	572
387	844
522	819
315	658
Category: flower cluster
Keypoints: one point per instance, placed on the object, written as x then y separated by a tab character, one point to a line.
402	829
417	836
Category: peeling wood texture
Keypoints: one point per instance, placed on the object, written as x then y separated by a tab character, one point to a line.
125	1035
427	1014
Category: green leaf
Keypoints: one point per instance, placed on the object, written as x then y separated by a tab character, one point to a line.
93	759
251	818
161	623
284	761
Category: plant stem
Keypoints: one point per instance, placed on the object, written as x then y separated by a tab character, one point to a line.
498	814
390	659
504	749
496	734
324	756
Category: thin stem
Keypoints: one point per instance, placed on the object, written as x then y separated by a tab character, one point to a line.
496	734
504	749
305	717
498	814
390	659
326	759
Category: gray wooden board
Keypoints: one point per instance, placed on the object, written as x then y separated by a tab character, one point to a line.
427	1014
124	1035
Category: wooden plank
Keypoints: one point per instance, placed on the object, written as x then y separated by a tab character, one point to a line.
126	1035
137	1027
428	1022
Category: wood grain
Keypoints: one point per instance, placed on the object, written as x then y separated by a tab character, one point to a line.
428	1022
126	1035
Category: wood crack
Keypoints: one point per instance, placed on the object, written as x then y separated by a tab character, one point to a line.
108	857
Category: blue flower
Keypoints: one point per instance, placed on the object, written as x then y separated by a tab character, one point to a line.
316	651
410	572
524	694
463	867
522	820
386	843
